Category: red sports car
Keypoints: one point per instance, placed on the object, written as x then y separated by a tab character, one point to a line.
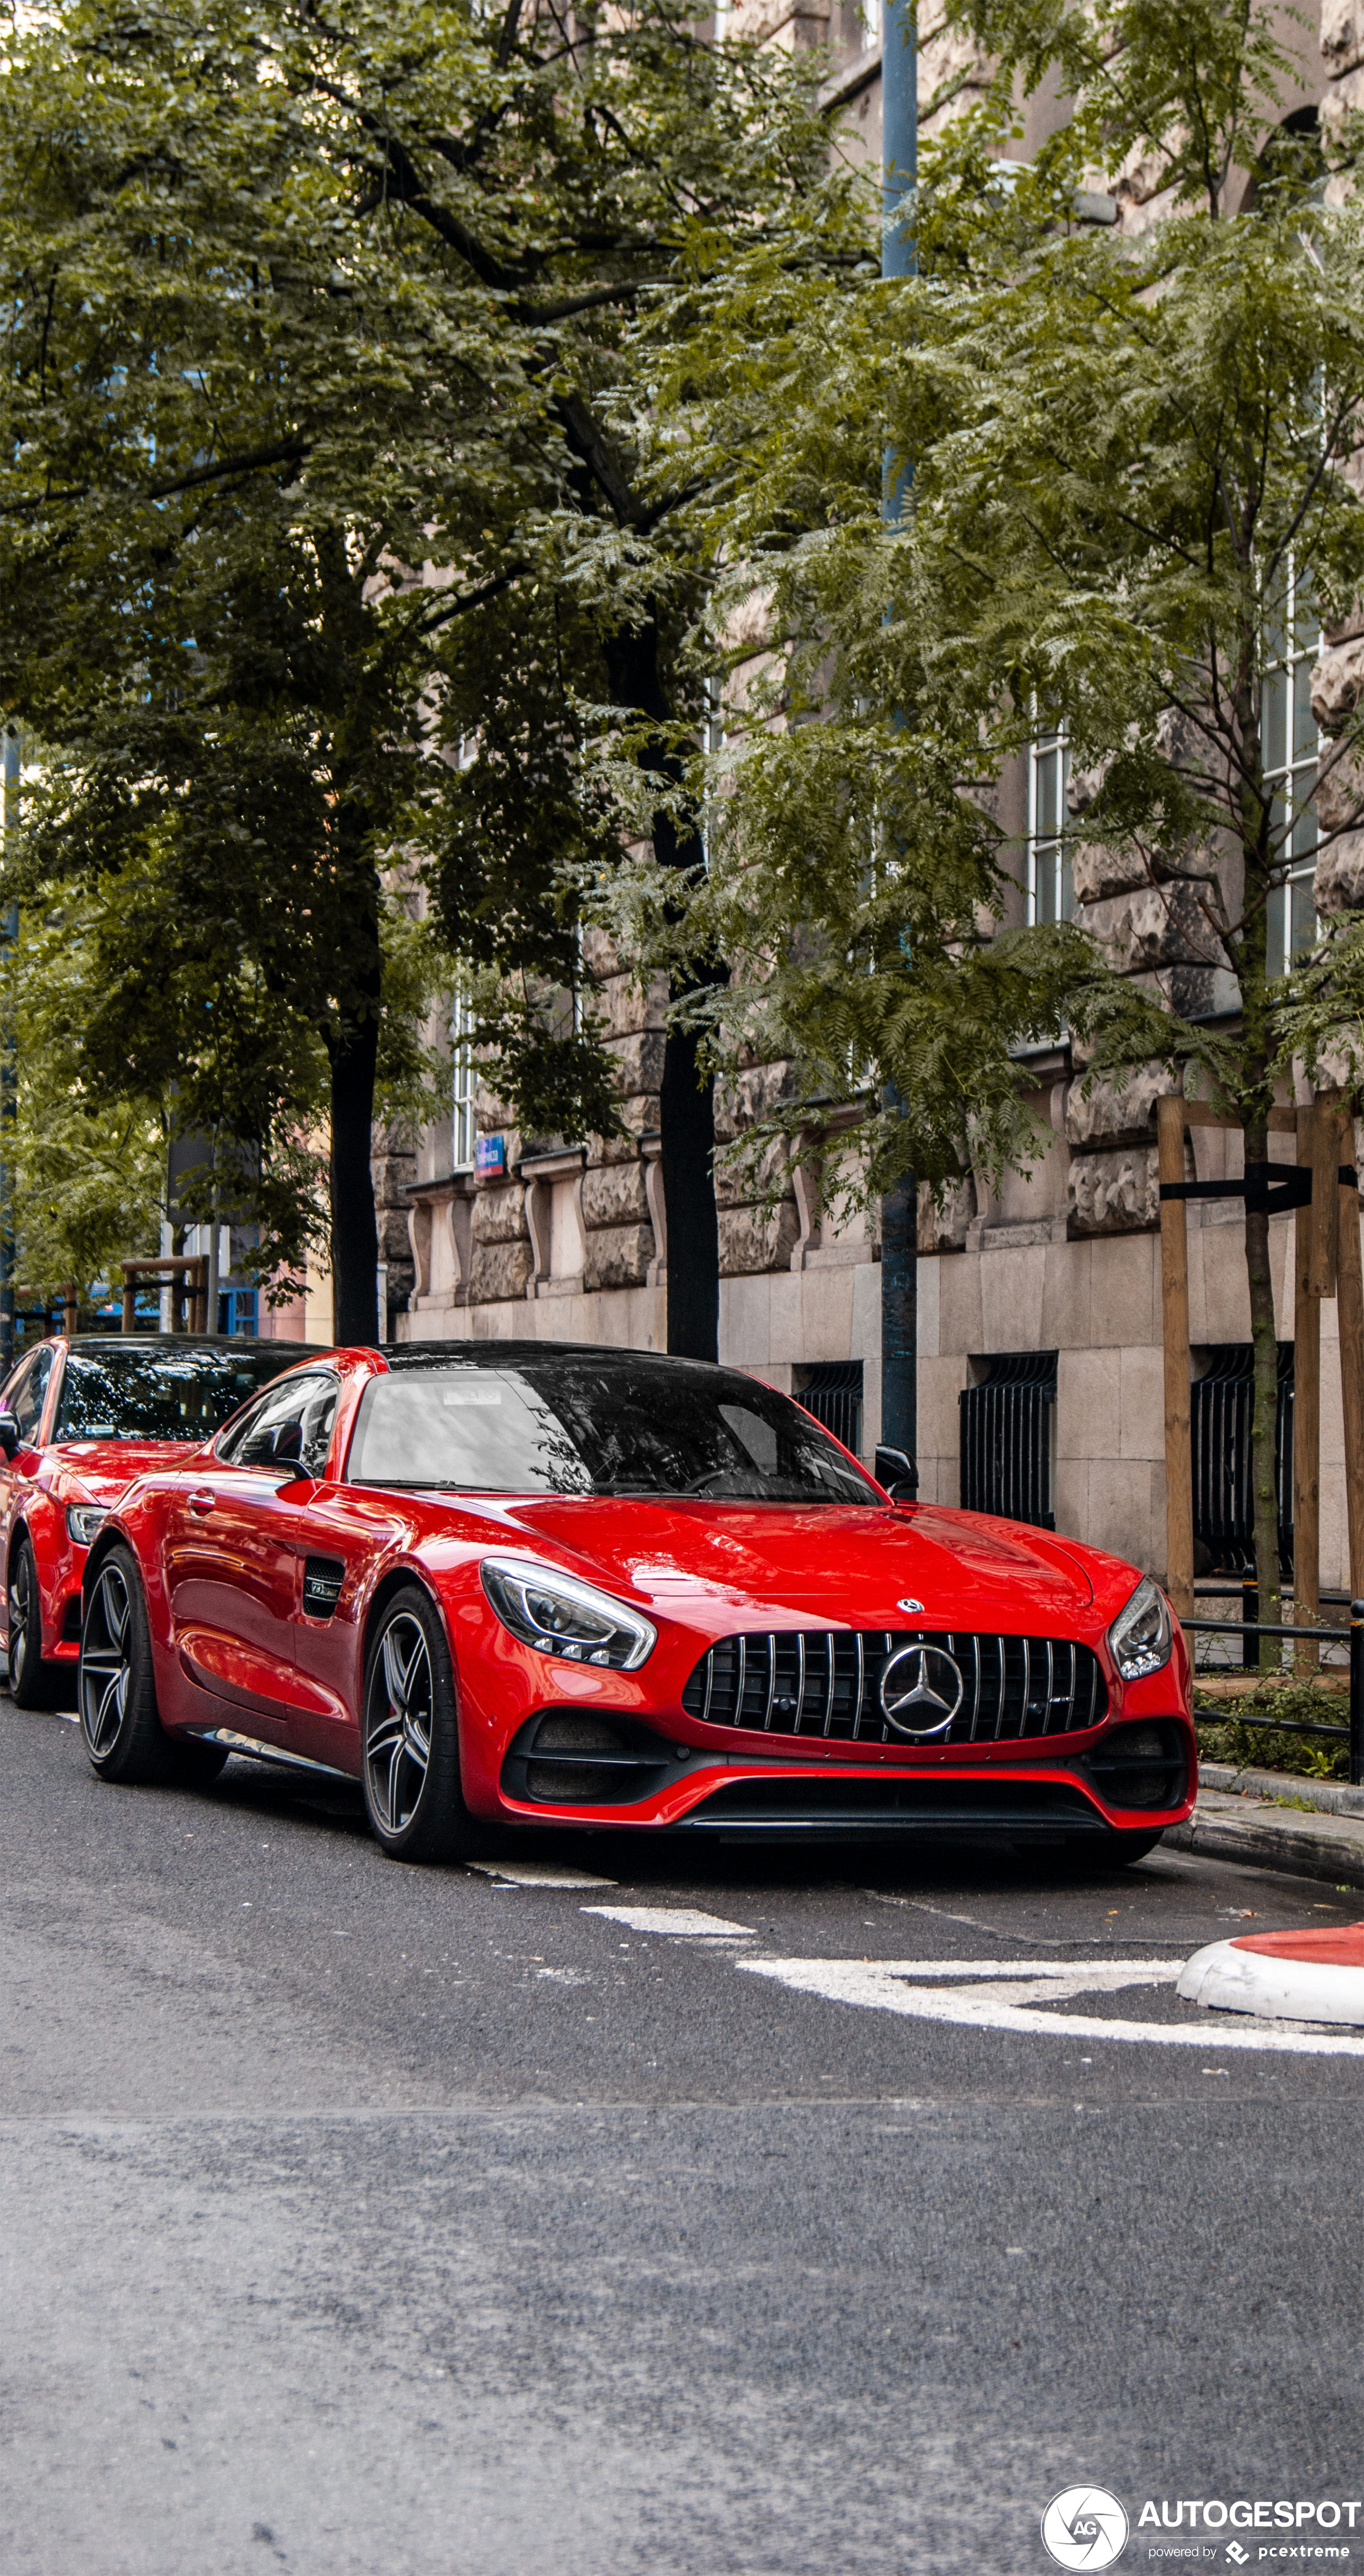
78	1420
526	1584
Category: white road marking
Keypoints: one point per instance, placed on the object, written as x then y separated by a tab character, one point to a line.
536	1873
1004	1996
679	1922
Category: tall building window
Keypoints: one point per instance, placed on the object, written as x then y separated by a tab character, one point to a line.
465	1088
1051	895
1290	750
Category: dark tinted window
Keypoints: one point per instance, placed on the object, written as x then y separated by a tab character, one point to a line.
28	1392
162	1393
585	1426
307	1402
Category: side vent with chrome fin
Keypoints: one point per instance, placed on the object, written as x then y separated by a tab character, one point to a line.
323	1577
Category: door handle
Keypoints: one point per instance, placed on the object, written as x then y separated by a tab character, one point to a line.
202	1502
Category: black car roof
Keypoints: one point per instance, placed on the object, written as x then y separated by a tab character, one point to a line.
178	1342
500	1354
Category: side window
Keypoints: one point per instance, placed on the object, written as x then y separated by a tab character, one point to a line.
28	1392
319	1415
16	1397
309	1403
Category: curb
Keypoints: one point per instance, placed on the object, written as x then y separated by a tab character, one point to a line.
1291	1976
1332	1797
1263	1835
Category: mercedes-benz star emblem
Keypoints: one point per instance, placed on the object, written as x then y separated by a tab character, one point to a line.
910	1606
921	1691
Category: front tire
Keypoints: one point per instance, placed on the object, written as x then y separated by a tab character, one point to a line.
119	1719
410	1737
31	1683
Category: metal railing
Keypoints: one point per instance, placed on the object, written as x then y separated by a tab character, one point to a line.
1353	1637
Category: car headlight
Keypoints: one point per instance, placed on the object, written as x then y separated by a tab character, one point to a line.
82	1521
561	1616
1141	1637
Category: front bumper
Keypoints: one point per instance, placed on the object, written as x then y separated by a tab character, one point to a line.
613	1770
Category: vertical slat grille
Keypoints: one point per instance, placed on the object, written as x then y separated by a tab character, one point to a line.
827	1682
1006	1438
832	1391
1222	1410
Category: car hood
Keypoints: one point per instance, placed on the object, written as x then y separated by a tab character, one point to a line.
103	1468
850	1566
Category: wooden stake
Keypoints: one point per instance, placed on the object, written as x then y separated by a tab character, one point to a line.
1350	1315
1174	1312
1307	1393
1326	1160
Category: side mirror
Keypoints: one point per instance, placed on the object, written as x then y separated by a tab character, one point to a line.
896	1470
286	1448
9	1434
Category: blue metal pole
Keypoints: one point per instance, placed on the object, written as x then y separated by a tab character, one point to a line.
899	133
899	258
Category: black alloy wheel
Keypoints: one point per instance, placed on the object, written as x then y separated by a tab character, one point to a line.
410	1732
31	1682
119	1718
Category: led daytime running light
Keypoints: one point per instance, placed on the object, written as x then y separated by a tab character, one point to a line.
559	1616
1141	1639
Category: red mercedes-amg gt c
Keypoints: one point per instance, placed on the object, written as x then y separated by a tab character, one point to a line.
521	1583
78	1420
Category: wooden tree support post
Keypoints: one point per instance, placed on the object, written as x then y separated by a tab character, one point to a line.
1350	1316
1174	1306
1307	1399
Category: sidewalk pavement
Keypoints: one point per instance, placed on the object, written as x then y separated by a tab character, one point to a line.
1268	1819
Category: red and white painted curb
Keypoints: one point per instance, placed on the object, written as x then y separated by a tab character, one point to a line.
1282	1976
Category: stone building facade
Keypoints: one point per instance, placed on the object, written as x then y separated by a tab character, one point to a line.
569	1243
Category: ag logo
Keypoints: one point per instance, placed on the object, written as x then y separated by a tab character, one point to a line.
921	1691
1084	2527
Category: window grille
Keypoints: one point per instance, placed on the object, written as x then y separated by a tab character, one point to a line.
1222	1408
832	1391
464	1097
1051	893
1007	1425
1290	748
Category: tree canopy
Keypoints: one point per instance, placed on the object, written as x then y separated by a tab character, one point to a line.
1132	460
313	391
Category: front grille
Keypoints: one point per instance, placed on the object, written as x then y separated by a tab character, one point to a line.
827	1682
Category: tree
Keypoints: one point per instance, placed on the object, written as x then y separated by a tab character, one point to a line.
86	1167
313	331
1135	458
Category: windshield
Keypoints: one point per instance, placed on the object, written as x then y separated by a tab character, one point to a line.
586	1426
163	1393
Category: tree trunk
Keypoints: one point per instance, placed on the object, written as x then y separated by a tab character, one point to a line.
686	1109
686	1115
1252	968
1263	1462
353	1050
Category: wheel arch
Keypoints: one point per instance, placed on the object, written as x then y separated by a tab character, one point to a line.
102	1545
20	1536
395	1579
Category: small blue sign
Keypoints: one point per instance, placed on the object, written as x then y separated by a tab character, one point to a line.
490	1154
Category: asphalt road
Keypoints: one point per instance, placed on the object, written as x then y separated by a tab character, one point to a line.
426	2223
